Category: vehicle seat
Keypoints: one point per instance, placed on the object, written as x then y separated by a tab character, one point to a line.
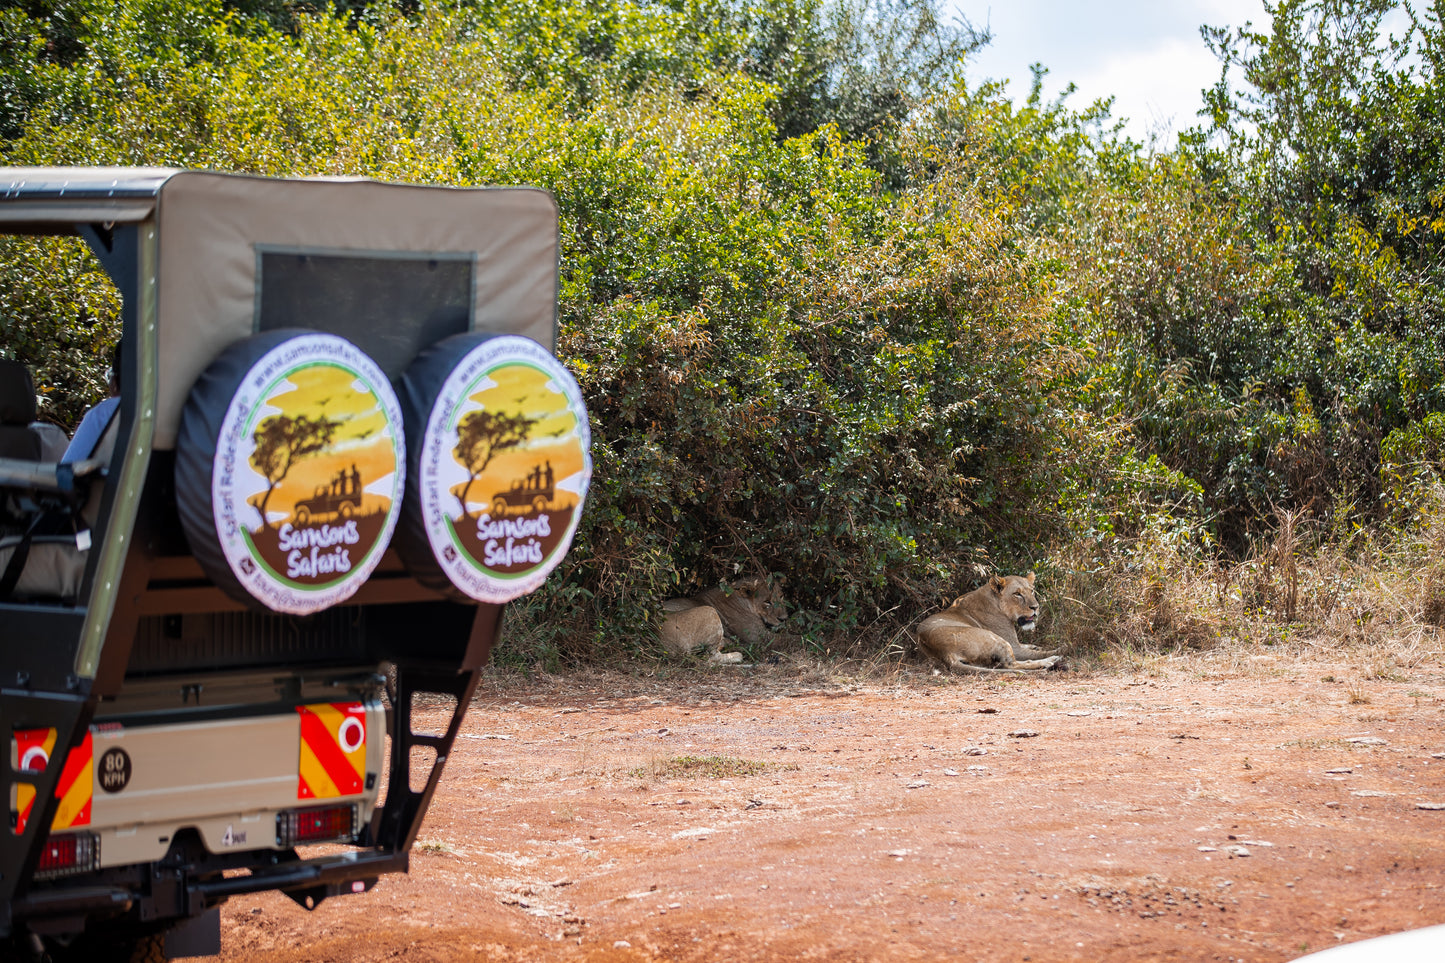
17	411
53	440
52	566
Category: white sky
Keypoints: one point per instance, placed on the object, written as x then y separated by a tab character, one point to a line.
1147	54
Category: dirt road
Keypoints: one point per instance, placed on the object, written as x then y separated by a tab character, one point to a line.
1205	807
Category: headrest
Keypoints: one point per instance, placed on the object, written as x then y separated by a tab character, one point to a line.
17	394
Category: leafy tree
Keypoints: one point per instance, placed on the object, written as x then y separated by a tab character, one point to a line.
61	317
789	366
1337	134
887	57
1340	128
480	436
281	441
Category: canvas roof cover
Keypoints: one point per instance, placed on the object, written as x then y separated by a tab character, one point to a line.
215	228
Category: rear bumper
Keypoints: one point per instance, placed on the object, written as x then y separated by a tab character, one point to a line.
176	893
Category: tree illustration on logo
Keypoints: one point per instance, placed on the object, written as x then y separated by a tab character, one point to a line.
282	441
480	436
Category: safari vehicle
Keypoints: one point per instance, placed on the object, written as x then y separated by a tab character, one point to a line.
207	690
524	493
325	502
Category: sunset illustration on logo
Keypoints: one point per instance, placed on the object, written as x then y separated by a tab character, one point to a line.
318	467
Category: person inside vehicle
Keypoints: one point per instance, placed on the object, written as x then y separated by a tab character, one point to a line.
92	426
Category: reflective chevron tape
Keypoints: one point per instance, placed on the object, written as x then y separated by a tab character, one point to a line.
32	752
75	789
77	785
333	750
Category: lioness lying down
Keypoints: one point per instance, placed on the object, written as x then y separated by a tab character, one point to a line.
694	626
979	631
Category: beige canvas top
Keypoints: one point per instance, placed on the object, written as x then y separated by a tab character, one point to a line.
212	225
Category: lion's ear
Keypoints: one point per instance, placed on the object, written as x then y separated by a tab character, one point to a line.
1031	578
998	583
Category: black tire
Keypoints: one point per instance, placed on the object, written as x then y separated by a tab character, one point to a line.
104	947
347	510
418	393
231	388
433	394
196	446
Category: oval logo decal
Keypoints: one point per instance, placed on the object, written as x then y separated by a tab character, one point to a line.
309	470
505	465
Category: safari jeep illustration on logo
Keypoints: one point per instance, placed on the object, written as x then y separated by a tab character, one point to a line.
504	468
310	467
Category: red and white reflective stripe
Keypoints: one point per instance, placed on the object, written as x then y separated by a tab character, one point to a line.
332	761
75	789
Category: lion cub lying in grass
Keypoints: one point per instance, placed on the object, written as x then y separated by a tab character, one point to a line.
979	631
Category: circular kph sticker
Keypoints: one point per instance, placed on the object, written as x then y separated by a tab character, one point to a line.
114	770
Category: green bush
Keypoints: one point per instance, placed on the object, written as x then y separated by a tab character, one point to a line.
791	370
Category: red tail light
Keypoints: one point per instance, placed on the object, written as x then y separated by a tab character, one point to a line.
325	824
68	853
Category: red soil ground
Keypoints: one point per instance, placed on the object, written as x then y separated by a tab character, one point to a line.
1204	807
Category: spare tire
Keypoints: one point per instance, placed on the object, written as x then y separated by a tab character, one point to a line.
498	464
290	468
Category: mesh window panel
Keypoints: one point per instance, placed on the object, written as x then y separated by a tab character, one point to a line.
390	305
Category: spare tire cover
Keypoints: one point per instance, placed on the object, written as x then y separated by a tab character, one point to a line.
290	468
499	461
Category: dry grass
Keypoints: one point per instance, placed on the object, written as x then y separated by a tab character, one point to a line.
1379	605
700	767
1433	611
1372	607
1154	599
